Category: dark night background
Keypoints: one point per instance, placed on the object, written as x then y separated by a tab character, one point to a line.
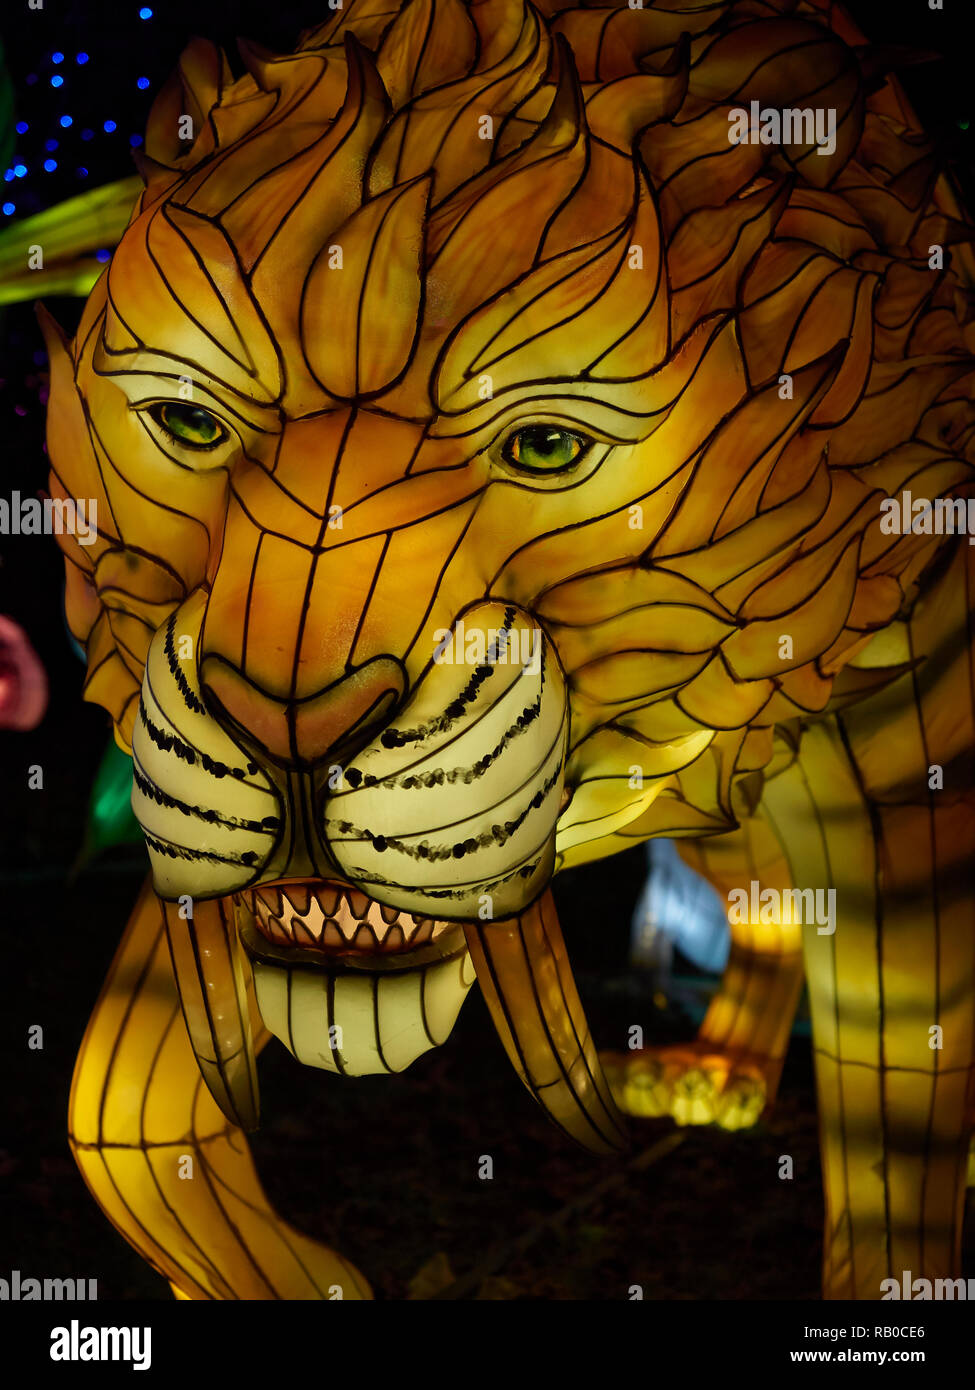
384	1168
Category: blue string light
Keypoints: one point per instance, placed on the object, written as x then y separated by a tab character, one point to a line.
51	161
103	256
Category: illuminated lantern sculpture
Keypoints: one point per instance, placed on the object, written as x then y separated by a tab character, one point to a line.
498	419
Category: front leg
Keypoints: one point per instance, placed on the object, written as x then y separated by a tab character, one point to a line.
163	1162
892	996
731	1071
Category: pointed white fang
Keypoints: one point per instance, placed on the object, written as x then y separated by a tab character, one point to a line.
358	903
302	932
277	932
365	938
327	899
331	936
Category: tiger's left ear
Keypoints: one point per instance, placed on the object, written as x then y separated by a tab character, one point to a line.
54	334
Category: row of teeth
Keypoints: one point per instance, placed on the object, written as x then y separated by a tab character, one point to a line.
332	916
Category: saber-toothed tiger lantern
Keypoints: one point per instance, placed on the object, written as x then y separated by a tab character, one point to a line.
501	419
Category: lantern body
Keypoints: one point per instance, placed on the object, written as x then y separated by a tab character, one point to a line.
497	418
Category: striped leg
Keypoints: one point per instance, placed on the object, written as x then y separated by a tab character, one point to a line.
892	996
163	1162
892	804
732	1069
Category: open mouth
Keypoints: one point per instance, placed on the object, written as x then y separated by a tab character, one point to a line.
335	919
377	998
348	984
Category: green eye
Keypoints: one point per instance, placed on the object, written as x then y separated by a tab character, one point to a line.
544	448
189	425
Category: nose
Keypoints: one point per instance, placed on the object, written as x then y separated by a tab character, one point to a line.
334	723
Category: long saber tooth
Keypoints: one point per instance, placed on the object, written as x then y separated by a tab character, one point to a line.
524	972
212	983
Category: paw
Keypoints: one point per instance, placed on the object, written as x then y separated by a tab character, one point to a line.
694	1083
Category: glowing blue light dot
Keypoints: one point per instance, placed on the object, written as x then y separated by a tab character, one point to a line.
22	127
142	83
145	12
20	170
8	175
57	57
102	256
135	140
51	144
81	58
57	81
109	126
66	121
87	133
82	173
50	165
9	209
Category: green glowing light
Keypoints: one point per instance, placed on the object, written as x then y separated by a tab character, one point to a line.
110	819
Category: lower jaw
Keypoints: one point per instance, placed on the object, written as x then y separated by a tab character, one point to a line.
359	1012
359	1015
